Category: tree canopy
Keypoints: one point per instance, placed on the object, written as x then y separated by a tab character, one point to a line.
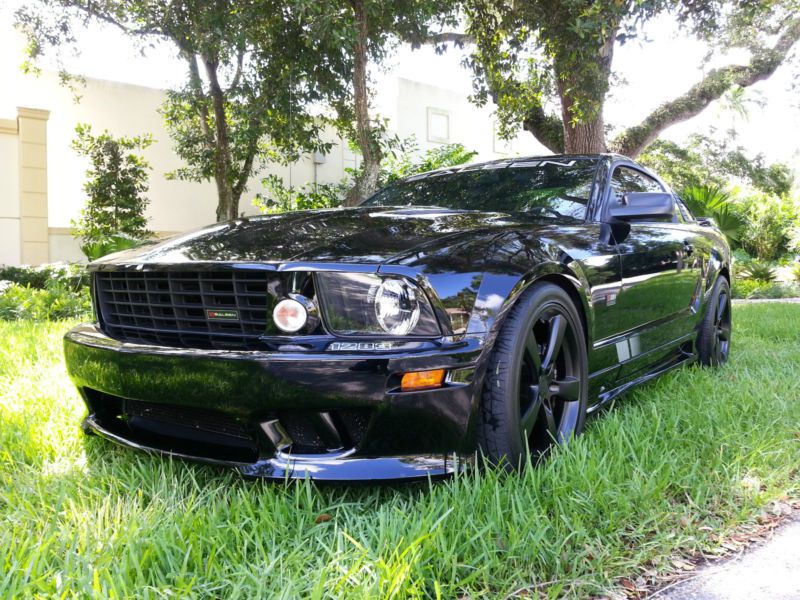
716	160
531	57
346	36
246	95
264	77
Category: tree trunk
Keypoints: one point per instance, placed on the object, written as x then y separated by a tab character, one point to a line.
227	205
228	202
365	184
371	153
587	136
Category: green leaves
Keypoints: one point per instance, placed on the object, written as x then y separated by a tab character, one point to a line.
715	160
712	201
758	271
116	184
99	247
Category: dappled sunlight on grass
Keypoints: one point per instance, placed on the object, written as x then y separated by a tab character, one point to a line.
687	457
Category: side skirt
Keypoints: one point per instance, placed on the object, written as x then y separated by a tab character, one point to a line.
683	358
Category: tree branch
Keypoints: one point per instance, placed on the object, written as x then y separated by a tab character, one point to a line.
93	10
762	65
238	75
547	129
197	87
457	39
247	166
460	39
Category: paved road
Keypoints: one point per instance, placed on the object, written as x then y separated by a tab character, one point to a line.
769	572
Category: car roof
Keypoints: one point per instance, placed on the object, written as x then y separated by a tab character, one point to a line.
518	161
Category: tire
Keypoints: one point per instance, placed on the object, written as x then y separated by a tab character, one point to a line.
714	338
532	400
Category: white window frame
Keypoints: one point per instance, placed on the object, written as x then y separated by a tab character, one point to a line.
437	112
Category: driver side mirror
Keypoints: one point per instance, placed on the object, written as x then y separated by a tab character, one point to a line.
646	206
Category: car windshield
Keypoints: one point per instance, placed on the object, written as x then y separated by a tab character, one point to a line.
551	187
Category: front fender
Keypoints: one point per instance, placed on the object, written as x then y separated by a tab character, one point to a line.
499	293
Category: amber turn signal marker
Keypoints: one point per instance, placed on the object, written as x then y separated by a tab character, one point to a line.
422	380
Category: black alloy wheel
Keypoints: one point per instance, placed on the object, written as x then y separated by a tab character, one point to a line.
535	392
714	340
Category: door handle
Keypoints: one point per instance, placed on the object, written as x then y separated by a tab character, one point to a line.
688	247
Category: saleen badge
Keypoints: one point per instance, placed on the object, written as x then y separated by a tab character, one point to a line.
223	315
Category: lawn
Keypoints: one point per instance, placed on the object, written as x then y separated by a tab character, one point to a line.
671	467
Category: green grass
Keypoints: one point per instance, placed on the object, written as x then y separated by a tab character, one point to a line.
674	464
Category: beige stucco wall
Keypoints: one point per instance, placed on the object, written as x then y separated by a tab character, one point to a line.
123	110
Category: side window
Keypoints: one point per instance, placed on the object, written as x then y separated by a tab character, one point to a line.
627	180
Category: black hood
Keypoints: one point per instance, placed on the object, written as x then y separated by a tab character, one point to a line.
370	235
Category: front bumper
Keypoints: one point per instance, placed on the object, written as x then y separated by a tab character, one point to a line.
261	412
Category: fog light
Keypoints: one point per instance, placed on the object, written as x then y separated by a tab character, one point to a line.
422	380
289	315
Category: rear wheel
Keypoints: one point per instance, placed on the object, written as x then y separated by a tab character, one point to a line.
535	391
714	339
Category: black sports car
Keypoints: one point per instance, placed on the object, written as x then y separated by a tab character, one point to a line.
488	307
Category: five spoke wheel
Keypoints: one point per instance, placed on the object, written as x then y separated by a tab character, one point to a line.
550	387
535	390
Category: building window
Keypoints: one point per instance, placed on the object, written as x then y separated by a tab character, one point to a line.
438	125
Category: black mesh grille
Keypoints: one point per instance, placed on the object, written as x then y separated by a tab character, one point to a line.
171	308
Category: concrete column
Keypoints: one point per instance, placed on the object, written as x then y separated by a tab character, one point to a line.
9	193
32	136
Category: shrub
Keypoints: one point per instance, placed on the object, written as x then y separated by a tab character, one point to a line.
54	301
109	245
758	271
712	201
794	237
776	290
751	289
47	292
279	198
796	272
769	222
409	162
740	257
115	188
745	288
70	275
715	160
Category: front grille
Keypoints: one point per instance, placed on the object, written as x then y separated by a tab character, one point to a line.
171	308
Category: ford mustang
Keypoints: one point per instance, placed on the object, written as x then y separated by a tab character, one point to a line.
481	309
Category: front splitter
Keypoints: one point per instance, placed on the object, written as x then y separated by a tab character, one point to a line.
340	467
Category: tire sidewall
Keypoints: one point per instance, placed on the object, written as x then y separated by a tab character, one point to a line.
705	340
509	348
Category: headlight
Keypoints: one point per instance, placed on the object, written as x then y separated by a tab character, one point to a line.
364	303
396	306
